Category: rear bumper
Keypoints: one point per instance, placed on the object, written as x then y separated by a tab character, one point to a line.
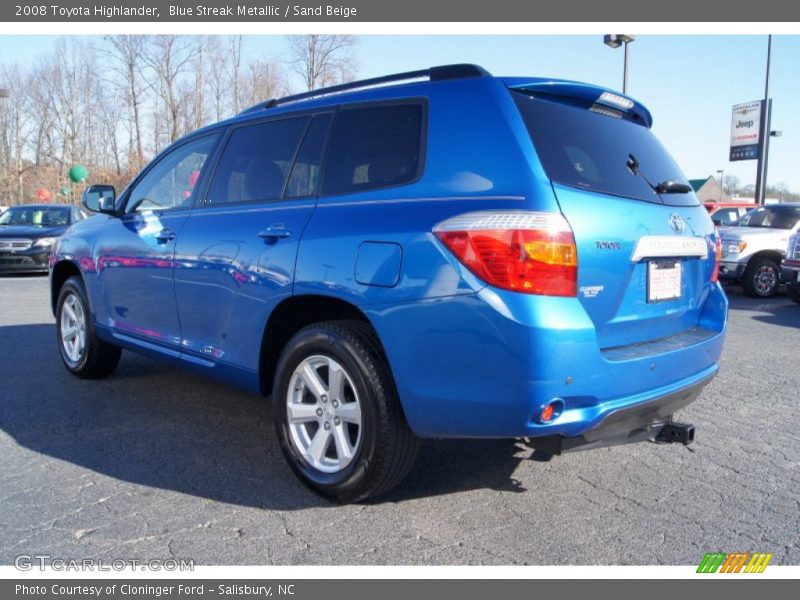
632	423
486	365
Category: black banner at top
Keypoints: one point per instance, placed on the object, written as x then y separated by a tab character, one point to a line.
399	11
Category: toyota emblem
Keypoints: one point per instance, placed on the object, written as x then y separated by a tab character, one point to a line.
677	223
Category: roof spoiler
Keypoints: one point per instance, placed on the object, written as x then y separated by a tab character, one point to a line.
439	73
583	91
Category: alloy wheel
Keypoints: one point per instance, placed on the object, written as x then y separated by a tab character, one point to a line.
73	328
324	414
766	279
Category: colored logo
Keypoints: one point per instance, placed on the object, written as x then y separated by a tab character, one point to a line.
737	562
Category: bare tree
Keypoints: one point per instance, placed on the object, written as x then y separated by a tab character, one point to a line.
126	58
105	132
730	185
15	133
199	83
62	94
780	191
323	60
230	85
235	47
216	78
169	58
263	79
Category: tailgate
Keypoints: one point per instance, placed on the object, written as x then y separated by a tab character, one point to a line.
645	244
625	249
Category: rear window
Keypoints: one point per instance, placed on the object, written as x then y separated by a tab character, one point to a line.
374	146
254	165
589	147
772	217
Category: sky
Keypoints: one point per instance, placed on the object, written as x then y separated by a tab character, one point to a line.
689	83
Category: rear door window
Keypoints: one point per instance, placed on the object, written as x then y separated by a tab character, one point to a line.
589	146
255	162
374	147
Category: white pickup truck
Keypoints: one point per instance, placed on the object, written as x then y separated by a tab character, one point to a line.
753	249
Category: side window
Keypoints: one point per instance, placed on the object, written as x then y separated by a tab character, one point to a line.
308	165
726	216
170	183
256	162
371	147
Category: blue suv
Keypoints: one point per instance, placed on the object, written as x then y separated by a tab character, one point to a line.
433	254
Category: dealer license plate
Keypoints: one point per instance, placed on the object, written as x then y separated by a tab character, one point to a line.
663	280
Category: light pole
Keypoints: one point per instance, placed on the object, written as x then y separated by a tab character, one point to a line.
721	173
766	133
615	40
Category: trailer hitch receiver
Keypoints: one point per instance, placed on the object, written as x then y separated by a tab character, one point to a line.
673	432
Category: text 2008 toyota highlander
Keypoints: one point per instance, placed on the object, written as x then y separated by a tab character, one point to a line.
440	253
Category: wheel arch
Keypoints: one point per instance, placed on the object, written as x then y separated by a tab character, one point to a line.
62	270
289	317
774	255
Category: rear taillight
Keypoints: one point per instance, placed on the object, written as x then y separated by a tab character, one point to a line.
521	251
717	259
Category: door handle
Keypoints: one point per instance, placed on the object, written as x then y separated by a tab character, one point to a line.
274	233
165	235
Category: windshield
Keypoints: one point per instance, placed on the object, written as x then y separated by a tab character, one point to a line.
38	216
772	217
591	146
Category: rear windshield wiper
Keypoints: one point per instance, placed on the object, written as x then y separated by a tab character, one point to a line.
669	186
672	187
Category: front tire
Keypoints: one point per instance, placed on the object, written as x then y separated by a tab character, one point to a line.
338	418
794	293
761	278
82	352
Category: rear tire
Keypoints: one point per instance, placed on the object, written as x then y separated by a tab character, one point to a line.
794	293
82	352
761	278
347	437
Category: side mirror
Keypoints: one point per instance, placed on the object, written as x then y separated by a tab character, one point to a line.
100	199
716	222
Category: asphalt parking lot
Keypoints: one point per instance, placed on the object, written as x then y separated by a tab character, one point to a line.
154	463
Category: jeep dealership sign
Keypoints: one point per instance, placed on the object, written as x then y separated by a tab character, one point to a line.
745	130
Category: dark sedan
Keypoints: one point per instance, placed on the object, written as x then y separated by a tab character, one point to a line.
27	234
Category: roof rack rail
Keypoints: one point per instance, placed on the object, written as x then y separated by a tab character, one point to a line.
440	73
